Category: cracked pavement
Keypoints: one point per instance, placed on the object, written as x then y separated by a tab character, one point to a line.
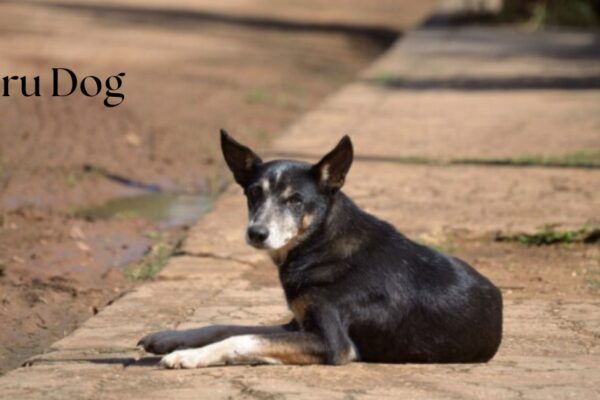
551	346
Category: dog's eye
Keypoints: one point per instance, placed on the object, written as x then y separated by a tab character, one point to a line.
294	199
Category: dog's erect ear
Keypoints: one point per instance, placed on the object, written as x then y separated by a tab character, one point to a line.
240	159
332	169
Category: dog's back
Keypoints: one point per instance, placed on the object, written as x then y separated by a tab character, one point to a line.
400	301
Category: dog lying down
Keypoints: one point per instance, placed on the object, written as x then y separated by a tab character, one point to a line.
358	289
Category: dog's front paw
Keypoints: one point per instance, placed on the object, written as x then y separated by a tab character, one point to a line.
162	342
185	359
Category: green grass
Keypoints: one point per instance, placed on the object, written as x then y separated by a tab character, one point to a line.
591	276
384	78
541	13
578	159
592	282
255	96
73	178
549	235
152	263
151	234
263	96
264	136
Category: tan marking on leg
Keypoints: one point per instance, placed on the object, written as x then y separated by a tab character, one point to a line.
298	307
301	350
290	353
247	349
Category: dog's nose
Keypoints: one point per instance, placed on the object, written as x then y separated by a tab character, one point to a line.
258	233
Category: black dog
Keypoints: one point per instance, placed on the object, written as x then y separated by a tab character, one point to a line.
358	288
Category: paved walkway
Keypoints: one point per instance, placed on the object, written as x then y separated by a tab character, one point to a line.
440	93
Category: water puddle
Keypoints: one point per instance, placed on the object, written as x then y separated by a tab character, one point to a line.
168	209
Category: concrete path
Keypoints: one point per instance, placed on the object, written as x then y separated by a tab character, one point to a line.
441	94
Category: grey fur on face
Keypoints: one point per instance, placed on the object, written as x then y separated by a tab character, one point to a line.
287	200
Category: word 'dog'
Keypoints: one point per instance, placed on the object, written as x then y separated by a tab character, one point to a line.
65	83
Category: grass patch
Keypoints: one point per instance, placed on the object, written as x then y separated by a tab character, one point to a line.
548	235
401	159
152	263
591	276
384	79
264	136
578	159
151	234
258	96
262	96
73	178
541	13
592	282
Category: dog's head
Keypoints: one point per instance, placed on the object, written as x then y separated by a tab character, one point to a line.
287	200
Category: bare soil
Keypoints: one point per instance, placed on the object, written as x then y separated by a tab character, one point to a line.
188	73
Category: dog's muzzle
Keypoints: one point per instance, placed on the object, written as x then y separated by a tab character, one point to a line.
257	234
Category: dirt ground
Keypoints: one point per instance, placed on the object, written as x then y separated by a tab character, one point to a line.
188	73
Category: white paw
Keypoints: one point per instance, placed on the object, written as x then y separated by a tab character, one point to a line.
235	350
185	359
